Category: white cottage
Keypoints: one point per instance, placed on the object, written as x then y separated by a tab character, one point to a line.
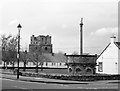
107	62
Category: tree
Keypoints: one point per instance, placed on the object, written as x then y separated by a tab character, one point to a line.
37	59
75	53
24	58
12	50
34	58
5	39
9	49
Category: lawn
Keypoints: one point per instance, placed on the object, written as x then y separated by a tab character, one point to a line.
50	71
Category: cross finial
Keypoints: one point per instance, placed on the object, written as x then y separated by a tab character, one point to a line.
81	20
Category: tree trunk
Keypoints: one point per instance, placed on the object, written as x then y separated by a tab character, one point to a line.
4	66
37	68
13	68
41	67
24	66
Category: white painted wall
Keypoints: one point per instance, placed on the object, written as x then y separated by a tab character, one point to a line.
55	65
30	64
109	58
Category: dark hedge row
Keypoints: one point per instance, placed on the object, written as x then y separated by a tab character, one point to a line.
74	78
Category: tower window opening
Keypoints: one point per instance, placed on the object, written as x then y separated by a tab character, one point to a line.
46	48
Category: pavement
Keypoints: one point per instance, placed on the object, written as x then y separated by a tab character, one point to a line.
8	75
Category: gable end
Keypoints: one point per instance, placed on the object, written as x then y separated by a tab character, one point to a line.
104	50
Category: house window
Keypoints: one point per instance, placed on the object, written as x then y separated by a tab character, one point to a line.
46	64
102	57
52	64
60	64
100	67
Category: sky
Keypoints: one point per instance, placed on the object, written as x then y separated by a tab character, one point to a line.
60	19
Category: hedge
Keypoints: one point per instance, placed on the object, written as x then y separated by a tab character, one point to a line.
74	78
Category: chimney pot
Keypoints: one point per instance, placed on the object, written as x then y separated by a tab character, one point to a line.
113	39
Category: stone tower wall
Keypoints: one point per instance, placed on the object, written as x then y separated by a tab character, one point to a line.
40	44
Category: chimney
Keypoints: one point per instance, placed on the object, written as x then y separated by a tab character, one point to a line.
113	39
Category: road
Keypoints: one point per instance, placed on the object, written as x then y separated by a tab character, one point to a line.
17	84
27	86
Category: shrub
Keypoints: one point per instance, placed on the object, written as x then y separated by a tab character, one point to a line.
74	78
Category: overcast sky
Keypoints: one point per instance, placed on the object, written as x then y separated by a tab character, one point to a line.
60	19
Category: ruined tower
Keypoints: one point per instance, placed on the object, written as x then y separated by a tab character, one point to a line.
40	44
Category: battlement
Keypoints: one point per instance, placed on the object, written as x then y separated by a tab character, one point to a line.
41	40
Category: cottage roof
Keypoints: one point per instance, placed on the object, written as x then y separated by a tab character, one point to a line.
117	44
104	50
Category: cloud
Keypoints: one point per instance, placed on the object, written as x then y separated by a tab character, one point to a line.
12	22
105	31
1	32
43	28
64	26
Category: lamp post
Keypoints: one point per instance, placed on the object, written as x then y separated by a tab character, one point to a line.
18	54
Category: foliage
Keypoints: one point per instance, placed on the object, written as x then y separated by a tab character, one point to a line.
74	78
60	52
5	39
24	58
75	53
12	50
9	48
37	59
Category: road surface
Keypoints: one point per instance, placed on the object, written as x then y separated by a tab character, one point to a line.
28	86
